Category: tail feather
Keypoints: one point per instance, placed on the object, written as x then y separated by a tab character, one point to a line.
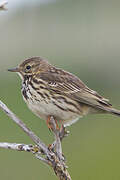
113	111
106	106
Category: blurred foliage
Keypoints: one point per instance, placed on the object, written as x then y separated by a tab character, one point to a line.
81	37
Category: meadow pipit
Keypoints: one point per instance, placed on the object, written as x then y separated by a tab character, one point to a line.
50	91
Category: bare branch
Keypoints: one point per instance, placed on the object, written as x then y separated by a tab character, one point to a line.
3	5
24	147
57	138
42	152
23	127
42	159
18	147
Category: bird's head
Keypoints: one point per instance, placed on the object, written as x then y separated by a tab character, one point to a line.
31	67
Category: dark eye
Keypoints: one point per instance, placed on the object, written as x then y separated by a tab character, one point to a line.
28	67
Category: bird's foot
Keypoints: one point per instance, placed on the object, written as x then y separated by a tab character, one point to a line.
63	132
50	125
56	128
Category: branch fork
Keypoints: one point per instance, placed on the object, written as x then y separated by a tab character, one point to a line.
51	155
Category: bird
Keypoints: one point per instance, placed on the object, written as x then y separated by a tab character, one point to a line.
51	91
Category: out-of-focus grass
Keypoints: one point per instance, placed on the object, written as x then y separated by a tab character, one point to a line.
81	37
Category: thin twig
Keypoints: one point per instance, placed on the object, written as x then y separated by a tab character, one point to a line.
3	5
15	146
42	159
57	138
61	134
23	127
25	148
41	151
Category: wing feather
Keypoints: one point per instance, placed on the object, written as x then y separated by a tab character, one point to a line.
69	85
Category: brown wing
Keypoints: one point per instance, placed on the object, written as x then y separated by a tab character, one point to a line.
69	85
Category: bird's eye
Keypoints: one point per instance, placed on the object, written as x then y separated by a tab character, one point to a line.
28	67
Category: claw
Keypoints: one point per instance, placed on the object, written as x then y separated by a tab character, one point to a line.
49	124
60	128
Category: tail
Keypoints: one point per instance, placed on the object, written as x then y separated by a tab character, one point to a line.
97	102
113	111
106	106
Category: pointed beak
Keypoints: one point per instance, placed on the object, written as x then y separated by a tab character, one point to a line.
14	70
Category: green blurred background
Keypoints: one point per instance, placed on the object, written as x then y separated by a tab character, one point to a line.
83	38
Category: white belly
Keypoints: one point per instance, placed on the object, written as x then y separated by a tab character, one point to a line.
43	109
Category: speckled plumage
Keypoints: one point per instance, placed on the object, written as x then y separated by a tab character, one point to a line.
50	91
